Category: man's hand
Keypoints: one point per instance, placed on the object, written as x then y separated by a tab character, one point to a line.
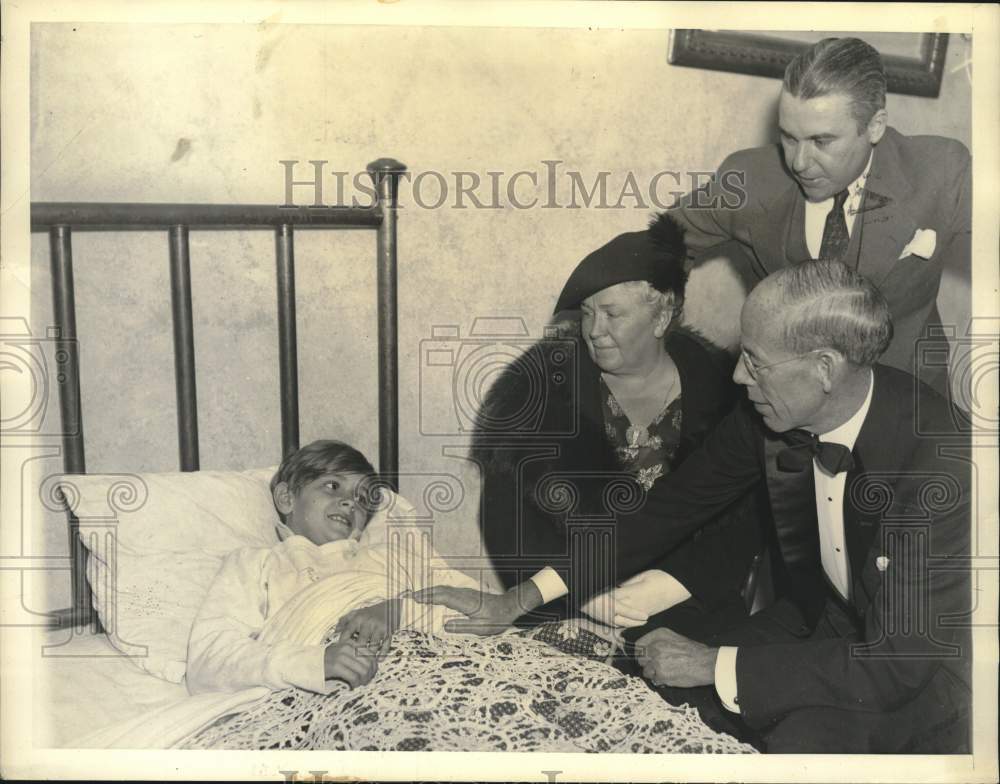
370	626
489	613
347	661
668	659
635	600
613	609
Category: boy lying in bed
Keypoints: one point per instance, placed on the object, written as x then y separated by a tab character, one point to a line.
266	617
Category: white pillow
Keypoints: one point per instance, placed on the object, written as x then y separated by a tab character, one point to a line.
156	542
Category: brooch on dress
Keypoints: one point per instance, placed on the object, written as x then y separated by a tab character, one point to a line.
647	476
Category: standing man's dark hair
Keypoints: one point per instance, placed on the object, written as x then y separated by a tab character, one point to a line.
840	65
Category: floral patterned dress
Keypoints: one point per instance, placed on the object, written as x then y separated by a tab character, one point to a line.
648	451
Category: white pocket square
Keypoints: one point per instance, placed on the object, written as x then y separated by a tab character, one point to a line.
923	243
881	563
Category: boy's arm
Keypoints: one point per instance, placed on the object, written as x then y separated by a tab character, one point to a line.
411	564
223	651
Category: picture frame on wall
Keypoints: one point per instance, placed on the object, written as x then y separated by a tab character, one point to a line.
914	62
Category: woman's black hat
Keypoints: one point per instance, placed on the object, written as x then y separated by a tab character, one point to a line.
656	255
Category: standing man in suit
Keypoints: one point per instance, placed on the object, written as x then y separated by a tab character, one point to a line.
843	185
865	651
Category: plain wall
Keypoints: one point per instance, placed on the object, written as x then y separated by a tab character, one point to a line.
204	113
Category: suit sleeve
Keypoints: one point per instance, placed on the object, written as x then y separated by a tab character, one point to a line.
957	255
707	213
718	217
711	479
912	623
714	563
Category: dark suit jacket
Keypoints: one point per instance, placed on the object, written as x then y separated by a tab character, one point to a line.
915	182
907	500
552	489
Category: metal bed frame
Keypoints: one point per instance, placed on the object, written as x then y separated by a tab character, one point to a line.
60	219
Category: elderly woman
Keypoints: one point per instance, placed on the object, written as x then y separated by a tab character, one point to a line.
573	439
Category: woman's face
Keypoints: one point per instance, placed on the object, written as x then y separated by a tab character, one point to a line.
622	329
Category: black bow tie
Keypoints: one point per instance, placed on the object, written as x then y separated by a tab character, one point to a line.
806	446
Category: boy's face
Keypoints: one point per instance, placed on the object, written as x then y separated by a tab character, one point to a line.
324	510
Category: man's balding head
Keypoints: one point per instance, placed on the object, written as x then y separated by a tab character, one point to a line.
826	305
810	333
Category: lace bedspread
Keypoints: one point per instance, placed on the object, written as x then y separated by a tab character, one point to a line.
543	690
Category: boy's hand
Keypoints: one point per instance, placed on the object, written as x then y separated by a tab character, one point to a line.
370	626
350	662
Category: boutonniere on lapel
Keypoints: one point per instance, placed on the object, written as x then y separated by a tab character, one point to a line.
881	563
923	243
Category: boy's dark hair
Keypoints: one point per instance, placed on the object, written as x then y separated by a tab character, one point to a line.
312	461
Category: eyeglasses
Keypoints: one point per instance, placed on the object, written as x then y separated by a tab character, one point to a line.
752	369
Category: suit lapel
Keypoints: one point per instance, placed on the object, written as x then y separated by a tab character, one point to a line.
885	227
793	507
876	455
796	248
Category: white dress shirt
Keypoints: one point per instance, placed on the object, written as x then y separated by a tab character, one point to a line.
830	502
832	547
817	211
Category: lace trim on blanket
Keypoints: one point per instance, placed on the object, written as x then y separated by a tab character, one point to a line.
508	693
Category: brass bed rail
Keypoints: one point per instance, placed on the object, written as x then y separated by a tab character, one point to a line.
61	219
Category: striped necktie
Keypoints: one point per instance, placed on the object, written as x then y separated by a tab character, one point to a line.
835	236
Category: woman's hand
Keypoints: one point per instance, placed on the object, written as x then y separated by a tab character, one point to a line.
370	626
488	613
349	662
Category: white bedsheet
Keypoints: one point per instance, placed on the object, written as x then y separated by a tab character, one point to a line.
95	698
87	695
86	685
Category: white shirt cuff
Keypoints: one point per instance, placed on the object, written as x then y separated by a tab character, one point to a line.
297	665
725	678
549	584
674	592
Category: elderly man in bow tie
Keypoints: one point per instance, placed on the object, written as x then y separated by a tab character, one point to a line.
866	649
844	185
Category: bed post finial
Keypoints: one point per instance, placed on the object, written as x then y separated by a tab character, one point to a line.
390	169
